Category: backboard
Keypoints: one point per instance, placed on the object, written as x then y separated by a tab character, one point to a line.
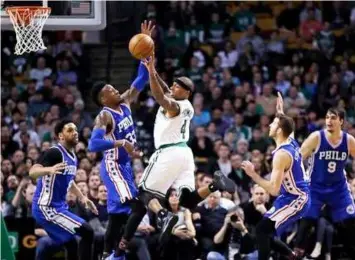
80	15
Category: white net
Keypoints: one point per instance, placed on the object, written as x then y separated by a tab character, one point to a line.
28	23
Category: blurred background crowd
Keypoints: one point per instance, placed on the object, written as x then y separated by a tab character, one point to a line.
239	54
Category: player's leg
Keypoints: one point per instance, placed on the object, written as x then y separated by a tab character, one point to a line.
185	183
285	212
113	233
308	221
343	214
121	189
156	180
82	229
62	226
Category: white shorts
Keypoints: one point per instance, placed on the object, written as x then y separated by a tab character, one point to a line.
170	167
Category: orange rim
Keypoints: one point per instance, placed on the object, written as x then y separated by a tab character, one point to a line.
24	8
20	10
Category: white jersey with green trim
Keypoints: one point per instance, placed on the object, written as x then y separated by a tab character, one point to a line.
176	129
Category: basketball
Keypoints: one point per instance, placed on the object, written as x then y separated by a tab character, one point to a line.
141	46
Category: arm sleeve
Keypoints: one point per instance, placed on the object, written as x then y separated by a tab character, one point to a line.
97	143
50	157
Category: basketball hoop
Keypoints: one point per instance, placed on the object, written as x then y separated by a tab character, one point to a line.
28	22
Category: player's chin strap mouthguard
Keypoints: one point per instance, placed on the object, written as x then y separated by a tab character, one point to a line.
182	84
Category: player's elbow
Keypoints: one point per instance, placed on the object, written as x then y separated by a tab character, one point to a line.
92	146
33	171
275	190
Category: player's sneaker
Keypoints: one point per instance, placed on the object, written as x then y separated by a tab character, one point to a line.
223	183
168	224
112	257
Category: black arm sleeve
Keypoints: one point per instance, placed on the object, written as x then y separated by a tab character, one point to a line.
51	157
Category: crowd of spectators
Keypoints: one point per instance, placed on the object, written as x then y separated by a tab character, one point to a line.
239	55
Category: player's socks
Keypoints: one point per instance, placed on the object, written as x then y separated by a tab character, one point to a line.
317	250
222	183
113	257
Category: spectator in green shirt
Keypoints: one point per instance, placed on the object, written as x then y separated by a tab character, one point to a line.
243	18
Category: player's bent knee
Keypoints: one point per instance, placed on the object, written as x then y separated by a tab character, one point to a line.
85	231
265	226
189	199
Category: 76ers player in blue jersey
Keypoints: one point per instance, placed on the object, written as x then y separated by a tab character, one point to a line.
328	150
114	135
55	172
288	183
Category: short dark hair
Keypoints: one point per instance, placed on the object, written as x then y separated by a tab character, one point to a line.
338	112
286	124
60	125
95	92
185	83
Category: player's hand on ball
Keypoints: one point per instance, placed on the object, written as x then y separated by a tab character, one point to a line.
90	205
248	167
150	63
147	27
58	168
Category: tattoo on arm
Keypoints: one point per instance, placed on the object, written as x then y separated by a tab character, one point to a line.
103	121
130	95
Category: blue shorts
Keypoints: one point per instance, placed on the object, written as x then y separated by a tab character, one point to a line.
337	198
287	209
59	223
119	181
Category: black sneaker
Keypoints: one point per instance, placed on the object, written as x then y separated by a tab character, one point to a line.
223	183
167	227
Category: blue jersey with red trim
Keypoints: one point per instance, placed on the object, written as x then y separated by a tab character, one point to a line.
328	162
123	128
52	189
295	180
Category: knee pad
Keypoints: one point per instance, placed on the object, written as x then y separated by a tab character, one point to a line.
265	227
85	231
189	199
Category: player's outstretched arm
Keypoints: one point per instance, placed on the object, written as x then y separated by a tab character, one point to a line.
138	84
97	142
309	145
51	162
280	109
169	104
281	162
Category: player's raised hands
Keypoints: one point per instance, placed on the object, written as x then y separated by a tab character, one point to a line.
147	27
150	63
58	168
248	167
279	104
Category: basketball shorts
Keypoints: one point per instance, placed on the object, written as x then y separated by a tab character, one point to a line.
337	197
59	223
171	166
119	181
286	210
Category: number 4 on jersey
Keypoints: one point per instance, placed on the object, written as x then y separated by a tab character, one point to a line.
183	129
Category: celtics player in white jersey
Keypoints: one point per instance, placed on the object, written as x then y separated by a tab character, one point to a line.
172	164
